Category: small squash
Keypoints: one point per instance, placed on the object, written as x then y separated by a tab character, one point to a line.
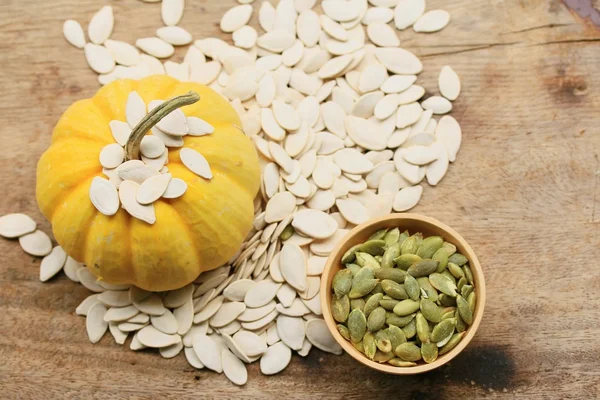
196	232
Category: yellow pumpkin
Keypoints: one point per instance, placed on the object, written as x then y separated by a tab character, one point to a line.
196	232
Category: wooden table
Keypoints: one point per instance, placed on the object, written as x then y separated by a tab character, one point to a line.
524	192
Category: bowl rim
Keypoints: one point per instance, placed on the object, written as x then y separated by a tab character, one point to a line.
407	218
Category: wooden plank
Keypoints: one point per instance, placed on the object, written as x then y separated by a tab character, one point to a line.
524	192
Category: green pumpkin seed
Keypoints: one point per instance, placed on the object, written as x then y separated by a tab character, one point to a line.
409	246
389	303
382	357
423	293
431	311
406	307
377	289
342	282
362	283
357	304
411	286
410	329
390	255
340	308
448	275
378	259
359	346
418	237
466	290
460	324
458	259
403	236
379	235
449	247
287	233
443	284
392	237
367	260
396	362
406	260
423	268
443	329
369	345
442	257
429	352
394	289
394	274
396	336
357	325
429	246
376	319
448	312
350	255
382	340
461	282
424	284
468	274
354	268
362	287
422	328
446	301
455	270
408	352
373	247
396	320
454	340
343	331
372	303
471	299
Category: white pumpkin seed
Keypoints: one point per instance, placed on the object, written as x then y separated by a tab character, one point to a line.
151	305
383	35
73	32
260	323
195	162
155	47
123	53
361	131
87	303
334	67
237	290
340	11
192	358
176	188
171	351
378	14
407	12
449	133
115	298
117	334
101	25
318	334
209	310
95	324
98	58
208	352
175	35
153	188
286	295
293	266
276	40
285	115
149	336
308	28
118	314
291	331
315	224
449	83
227	313
52	263
419	155
279	206
234	369
166	323
407	198
16	225
295	309
438	168
432	21
36	243
410	95
195	330
261	294
70	268
250	343
438	104
128	195
172	11
326	246
408	114
352	211
276	359
352	161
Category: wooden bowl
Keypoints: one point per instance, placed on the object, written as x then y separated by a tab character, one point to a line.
413	223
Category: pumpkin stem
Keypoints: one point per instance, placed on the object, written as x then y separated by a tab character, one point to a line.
132	148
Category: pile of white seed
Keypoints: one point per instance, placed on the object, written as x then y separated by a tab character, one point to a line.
344	134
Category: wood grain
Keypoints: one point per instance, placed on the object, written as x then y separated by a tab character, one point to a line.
524	192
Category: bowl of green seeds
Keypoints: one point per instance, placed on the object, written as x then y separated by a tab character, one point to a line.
403	294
